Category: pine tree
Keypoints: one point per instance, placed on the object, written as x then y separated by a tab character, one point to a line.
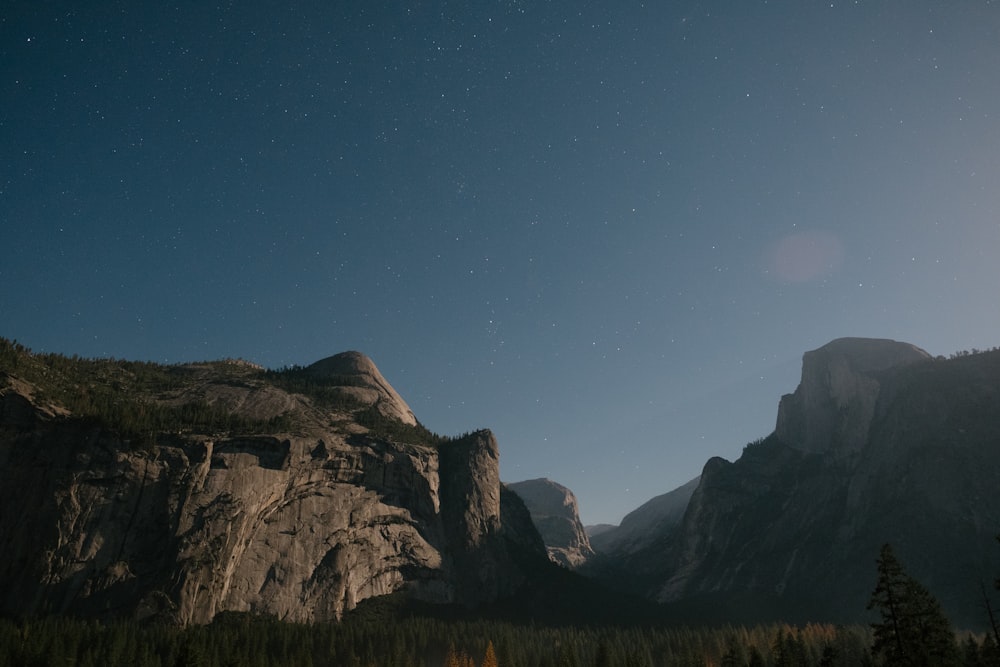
735	655
989	651
913	630
453	658
603	657
567	656
490	658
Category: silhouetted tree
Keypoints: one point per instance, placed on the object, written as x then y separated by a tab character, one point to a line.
913	631
734	655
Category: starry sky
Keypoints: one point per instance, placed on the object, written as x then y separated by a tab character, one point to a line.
605	230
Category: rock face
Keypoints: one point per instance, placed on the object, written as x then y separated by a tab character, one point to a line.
555	513
880	443
834	403
301	523
360	379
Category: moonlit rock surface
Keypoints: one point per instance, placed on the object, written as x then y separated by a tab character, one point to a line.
370	387
299	525
835	401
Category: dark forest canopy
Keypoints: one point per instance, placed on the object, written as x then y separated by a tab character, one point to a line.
368	639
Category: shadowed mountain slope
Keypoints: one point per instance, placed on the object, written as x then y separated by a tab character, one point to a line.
879	443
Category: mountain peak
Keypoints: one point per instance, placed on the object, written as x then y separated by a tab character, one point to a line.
835	400
365	383
350	362
870	354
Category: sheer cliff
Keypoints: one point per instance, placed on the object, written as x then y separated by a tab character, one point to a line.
180	492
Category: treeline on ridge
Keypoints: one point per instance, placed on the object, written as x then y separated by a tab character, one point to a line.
128	396
122	395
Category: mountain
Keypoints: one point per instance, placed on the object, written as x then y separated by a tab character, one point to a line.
880	443
597	529
654	517
179	492
834	404
555	513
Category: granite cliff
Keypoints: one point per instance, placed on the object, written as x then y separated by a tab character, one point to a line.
555	513
834	404
879	443
180	492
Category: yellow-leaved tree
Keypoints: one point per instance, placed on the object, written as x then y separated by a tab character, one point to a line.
490	658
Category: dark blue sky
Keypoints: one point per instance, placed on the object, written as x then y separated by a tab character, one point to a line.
607	231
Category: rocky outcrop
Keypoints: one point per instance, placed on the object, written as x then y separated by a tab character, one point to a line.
886	445
555	513
834	403
360	380
300	524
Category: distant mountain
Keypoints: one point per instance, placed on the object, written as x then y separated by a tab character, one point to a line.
555	513
879	443
179	492
597	529
654	518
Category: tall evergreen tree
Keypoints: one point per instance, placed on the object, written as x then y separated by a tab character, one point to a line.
490	658
913	630
735	655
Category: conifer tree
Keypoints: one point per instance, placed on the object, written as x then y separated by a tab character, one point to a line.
452	658
567	656
734	655
490	658
603	657
913	630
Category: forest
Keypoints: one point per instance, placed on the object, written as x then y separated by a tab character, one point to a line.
367	641
392	632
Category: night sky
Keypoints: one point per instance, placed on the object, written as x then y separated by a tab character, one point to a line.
605	230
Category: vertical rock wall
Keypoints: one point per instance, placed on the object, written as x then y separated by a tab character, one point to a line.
302	528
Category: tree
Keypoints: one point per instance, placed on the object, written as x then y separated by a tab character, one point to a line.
989	607
567	656
458	658
490	658
190	655
913	630
603	657
735	656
